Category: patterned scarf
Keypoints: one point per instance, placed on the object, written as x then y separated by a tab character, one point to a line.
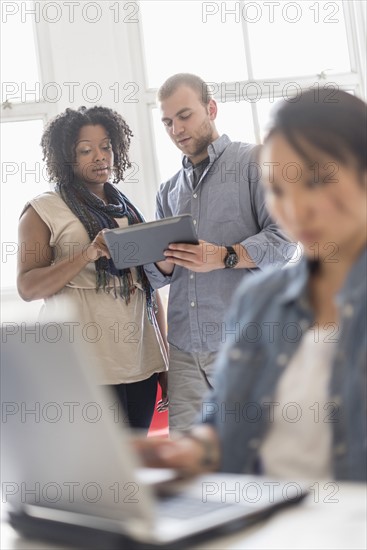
95	215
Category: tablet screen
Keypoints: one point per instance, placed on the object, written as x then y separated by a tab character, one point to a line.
144	243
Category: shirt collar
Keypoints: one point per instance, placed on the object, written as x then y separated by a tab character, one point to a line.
215	149
354	287
298	277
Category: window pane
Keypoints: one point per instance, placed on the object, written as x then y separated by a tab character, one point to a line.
19	69
298	38
177	39
168	156
264	111
23	177
235	120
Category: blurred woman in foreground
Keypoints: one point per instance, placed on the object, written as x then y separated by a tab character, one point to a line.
291	377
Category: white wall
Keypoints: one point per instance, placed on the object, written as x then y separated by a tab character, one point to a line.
107	52
84	52
73	49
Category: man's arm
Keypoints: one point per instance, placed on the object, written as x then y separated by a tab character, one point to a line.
194	453
205	257
270	246
159	273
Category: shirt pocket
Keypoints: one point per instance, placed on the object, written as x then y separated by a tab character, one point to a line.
224	202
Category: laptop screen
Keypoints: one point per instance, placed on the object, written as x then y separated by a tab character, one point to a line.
64	445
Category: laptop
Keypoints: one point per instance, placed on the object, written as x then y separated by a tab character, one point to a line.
69	473
144	243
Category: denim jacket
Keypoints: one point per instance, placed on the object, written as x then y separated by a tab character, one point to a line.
268	317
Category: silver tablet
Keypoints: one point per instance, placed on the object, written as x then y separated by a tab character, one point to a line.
143	243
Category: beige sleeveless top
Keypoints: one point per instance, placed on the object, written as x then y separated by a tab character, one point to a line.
117	338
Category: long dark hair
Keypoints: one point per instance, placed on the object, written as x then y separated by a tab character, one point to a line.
334	122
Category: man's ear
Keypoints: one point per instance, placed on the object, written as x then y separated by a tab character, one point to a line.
212	109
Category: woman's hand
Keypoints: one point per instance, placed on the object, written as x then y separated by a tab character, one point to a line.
162	404
41	273
188	454
98	248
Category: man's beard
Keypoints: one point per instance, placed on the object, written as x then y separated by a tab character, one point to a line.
202	142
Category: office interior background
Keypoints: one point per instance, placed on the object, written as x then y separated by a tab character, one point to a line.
59	54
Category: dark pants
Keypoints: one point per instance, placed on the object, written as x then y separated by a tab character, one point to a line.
138	400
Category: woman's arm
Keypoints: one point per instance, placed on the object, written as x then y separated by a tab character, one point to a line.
194	453
161	320
37	276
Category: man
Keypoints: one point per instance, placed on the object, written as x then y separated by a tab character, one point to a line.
219	186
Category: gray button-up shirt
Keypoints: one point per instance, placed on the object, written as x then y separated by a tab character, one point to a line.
266	323
228	207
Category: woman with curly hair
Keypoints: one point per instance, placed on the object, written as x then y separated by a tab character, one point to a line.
63	258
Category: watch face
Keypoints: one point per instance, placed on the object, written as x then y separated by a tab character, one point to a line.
231	260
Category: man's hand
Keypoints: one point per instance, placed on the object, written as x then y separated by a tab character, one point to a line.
165	267
163	403
202	257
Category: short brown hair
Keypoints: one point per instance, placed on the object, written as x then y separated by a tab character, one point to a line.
185	79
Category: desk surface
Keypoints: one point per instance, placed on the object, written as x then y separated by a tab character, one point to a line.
332	517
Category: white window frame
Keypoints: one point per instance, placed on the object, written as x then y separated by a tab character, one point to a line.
32	110
355	17
355	80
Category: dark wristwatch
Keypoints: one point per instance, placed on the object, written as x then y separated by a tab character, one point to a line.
231	258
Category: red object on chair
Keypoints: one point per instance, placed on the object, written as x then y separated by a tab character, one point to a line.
159	424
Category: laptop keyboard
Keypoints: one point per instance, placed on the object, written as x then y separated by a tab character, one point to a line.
182	507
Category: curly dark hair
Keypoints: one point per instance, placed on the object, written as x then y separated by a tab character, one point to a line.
60	135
